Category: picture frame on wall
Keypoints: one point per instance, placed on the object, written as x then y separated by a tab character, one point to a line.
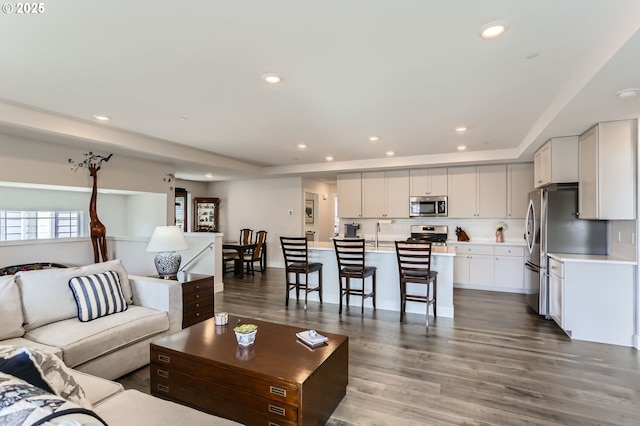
309	211
206	214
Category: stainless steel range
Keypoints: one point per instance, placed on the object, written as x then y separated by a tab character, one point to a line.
436	234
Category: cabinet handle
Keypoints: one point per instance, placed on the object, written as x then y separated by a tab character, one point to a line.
197	296
164	358
197	305
198	287
163	388
278	391
163	373
277	410
197	314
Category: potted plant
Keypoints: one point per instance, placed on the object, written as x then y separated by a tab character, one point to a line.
246	334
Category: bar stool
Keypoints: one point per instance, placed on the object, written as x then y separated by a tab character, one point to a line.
296	261
350	256
414	266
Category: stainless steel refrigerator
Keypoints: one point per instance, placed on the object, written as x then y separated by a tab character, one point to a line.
552	226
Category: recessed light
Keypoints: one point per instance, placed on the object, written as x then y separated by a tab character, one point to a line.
627	93
209	175
272	78
390	153
531	55
373	138
461	129
493	29
329	158
301	145
183	119
101	117
461	147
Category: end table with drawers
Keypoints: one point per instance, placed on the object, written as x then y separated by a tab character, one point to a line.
197	297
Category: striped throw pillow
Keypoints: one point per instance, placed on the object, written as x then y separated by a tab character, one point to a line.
97	295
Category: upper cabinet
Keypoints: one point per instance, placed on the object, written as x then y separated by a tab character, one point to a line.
350	195
607	171
385	194
556	161
477	191
519	184
428	182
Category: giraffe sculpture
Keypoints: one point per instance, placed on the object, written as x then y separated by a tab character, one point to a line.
97	229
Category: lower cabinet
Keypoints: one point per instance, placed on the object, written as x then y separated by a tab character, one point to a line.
489	267
593	300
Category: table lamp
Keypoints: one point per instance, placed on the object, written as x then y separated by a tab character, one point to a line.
166	240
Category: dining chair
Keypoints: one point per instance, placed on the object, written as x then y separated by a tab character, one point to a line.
350	256
418	283
257	253
246	235
296	261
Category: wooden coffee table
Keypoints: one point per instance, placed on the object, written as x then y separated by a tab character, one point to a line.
276	381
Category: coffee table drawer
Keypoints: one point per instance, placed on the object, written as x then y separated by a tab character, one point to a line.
273	390
190	390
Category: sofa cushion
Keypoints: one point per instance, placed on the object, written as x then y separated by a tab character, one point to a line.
11	317
45	370
97	389
46	296
97	295
133	407
83	341
26	404
111	265
26	343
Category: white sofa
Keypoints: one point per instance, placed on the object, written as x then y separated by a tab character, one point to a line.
117	406
38	310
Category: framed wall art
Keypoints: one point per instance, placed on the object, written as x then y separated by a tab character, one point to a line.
309	212
205	214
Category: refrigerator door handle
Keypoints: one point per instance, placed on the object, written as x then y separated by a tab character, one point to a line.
530	225
532	267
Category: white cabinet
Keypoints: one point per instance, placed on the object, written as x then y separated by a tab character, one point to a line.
607	171
473	265
509	267
428	182
385	194
556	161
349	195
556	286
519	184
593	300
477	191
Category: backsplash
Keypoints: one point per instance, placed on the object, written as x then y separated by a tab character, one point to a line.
481	230
622	239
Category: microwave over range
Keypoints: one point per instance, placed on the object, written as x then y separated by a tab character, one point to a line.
435	206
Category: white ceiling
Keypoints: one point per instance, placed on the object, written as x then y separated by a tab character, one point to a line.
407	71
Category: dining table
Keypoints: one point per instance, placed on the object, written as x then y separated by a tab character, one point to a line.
242	250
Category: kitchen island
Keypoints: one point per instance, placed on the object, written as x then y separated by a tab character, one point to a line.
387	281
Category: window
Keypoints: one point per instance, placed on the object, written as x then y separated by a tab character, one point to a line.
35	225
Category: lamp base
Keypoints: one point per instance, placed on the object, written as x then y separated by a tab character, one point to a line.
167	264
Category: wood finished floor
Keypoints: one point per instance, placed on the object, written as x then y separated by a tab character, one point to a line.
496	364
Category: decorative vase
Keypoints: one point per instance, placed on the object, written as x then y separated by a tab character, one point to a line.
499	237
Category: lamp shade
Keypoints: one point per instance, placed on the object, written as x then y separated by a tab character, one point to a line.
167	238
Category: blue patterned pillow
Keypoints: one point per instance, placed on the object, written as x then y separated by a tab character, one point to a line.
97	295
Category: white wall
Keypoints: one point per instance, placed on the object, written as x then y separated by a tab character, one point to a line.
46	163
261	204
144	212
323	195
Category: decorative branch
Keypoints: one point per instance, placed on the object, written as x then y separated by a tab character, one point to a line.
91	160
169	177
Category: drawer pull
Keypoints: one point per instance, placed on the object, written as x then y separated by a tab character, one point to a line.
197	305
276	410
277	391
163	373
273	424
197	296
198	287
163	388
197	314
164	358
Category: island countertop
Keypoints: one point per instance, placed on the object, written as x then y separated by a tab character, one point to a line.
387	280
